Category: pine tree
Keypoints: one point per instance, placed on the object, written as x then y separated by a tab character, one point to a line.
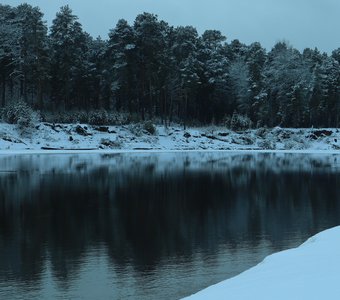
9	52
239	77
97	81
336	55
33	63
121	53
255	58
326	93
68	43
185	67
151	37
213	89
285	73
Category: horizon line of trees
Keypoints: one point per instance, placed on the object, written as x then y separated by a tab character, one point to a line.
152	69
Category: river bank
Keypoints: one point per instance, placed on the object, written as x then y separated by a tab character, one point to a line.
137	137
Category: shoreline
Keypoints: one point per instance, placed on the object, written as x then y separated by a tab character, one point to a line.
129	151
84	138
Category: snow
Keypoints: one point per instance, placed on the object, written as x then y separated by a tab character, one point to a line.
310	271
135	137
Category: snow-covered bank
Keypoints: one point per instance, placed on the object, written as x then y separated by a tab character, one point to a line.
136	137
310	271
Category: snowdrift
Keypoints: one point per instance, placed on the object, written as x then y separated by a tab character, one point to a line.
311	271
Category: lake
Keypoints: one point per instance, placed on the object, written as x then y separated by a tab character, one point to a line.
153	225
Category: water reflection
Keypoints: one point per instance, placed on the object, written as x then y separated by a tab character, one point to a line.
153	225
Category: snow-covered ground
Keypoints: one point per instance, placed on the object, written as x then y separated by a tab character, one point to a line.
311	271
135	137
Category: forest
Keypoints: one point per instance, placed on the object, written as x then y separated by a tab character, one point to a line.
150	70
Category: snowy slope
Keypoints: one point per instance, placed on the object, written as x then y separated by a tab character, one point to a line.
311	271
134	137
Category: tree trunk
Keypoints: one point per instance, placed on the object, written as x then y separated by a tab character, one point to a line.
3	100
186	110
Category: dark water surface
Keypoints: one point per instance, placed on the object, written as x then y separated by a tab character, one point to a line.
153	226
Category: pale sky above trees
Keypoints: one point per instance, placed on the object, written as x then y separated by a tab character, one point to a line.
304	23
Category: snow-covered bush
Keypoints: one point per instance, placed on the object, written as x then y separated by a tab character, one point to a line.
78	117
262	132
72	116
300	141
98	117
226	121
240	122
210	130
149	127
246	140
107	143
118	118
266	144
290	144
136	129
20	113
140	128
134	118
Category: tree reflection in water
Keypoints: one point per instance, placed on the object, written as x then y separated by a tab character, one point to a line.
144	209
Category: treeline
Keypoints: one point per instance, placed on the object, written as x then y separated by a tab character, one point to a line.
151	69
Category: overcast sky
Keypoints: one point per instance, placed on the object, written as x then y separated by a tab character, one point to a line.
304	23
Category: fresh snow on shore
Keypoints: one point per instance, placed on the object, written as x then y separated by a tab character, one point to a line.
135	137
308	272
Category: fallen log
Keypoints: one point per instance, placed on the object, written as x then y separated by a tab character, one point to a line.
67	149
